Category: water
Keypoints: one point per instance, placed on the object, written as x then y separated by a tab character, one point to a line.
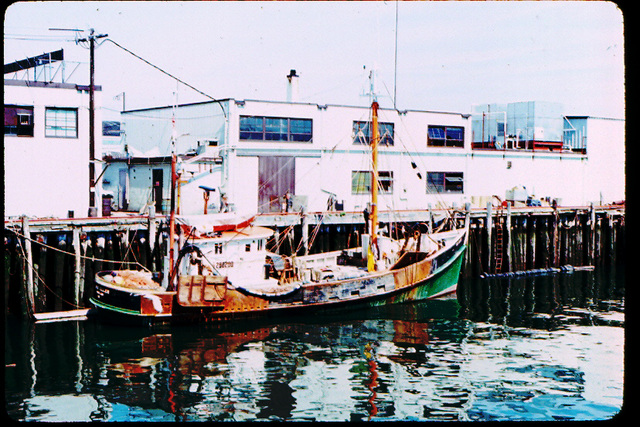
536	348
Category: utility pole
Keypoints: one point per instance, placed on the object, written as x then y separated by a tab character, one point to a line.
92	137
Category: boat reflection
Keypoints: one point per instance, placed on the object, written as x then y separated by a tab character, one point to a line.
426	360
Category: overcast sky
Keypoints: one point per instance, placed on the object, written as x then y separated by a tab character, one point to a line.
450	55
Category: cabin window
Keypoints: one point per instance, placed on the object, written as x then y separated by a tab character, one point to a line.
361	182
217	248
362	133
445	182
275	129
445	136
247	247
61	122
260	244
18	121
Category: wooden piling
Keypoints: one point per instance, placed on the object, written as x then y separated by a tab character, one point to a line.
29	265
90	270
77	272
60	259
509	239
556	245
488	227
592	234
40	286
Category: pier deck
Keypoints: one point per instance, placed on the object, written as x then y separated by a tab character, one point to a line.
50	263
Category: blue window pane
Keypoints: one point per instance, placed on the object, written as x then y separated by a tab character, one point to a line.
276	129
251	128
386	133
301	129
436	133
251	124
455	133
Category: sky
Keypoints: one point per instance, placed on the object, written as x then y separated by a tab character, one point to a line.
450	56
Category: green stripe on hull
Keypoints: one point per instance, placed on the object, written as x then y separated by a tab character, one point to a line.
431	287
109	307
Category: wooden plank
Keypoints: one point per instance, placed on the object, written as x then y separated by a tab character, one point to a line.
62	315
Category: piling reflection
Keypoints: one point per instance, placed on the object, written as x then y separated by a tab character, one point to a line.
497	351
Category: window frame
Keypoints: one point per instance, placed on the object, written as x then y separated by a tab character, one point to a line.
359	137
66	128
19	129
362	184
447	141
264	128
442	186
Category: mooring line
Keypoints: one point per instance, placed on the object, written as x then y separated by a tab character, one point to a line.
73	254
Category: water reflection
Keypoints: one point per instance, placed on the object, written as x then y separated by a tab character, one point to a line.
527	349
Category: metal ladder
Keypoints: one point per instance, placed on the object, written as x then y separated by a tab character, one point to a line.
498	245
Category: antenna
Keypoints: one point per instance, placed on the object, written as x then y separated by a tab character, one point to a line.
370	90
395	71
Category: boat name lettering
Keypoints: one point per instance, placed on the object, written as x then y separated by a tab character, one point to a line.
224	264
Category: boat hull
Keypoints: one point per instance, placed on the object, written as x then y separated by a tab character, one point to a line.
428	278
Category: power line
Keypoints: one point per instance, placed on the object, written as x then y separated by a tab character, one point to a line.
168	74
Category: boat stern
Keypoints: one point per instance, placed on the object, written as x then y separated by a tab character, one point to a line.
113	298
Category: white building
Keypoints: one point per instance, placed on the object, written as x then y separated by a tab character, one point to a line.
258	151
46	148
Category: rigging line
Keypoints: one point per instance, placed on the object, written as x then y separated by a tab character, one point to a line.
437	194
73	254
24	281
315	233
170	75
41	280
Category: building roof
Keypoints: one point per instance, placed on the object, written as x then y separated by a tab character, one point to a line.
51	85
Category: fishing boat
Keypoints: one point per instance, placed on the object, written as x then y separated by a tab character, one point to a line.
223	270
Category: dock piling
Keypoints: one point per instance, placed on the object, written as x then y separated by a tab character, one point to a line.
29	265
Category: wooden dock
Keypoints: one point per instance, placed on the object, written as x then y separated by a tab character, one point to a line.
50	263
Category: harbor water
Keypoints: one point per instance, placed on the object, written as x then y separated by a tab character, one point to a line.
547	347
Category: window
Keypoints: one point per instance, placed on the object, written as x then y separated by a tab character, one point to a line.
18	121
275	129
362	133
445	136
111	128
61	122
300	130
218	248
361	182
445	182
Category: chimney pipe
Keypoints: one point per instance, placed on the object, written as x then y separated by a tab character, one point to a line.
293	91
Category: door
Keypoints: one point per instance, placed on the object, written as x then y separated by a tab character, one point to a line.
157	181
276	176
122	189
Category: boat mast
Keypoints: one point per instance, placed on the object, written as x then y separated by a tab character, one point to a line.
172	214
374	172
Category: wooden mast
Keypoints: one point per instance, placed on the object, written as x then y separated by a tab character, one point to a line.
374	173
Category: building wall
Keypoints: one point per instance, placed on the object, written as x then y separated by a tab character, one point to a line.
557	176
605	177
325	165
46	176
